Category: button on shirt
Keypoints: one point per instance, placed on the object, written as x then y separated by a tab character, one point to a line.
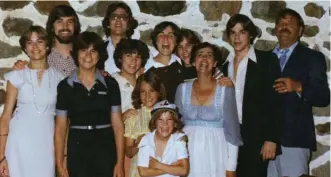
240	79
278	52
88	107
174	151
63	64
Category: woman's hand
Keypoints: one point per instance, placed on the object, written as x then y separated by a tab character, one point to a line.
118	170
137	141
129	113
230	174
225	81
4	171
63	172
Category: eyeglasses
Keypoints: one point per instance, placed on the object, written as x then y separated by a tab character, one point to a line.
120	17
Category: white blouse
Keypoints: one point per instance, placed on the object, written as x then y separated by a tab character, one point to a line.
126	91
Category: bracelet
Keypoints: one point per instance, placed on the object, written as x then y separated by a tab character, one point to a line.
4	158
65	155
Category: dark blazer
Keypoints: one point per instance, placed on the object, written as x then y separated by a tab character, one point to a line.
308	67
261	104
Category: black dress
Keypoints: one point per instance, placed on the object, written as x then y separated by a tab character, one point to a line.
90	152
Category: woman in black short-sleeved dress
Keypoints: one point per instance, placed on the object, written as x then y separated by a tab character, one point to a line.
92	103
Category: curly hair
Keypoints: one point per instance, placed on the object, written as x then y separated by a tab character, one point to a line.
84	41
154	81
126	46
216	52
132	22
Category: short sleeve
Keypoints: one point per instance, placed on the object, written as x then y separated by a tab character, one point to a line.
143	156
181	150
15	78
179	98
114	94
62	100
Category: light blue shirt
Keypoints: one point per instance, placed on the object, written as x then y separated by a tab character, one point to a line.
288	54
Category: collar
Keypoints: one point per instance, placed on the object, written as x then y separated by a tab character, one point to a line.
250	55
55	51
74	78
173	58
148	140
110	43
291	48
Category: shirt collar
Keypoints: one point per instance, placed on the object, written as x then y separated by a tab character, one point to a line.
110	43
148	140
277	49
74	78
250	55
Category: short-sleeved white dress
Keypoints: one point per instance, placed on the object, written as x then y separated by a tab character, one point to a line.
30	143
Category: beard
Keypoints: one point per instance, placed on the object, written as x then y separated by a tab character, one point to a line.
64	39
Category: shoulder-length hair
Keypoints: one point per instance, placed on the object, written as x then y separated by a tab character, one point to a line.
58	12
191	36
160	27
42	34
84	41
154	81
132	22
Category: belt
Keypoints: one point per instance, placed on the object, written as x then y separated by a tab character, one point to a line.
90	127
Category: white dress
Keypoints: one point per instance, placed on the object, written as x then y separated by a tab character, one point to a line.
211	153
30	143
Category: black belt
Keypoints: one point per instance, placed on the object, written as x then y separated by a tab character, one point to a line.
90	127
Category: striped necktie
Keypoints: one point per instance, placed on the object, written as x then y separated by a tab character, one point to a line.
283	57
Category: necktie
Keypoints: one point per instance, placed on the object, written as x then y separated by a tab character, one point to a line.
282	58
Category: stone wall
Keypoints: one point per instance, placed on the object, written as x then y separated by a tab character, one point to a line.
208	18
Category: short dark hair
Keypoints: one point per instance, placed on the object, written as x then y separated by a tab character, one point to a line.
216	51
160	27
132	22
191	36
84	41
290	12
42	34
58	12
247	24
178	123
130	46
154	81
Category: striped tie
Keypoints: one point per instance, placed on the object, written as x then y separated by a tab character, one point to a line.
282	58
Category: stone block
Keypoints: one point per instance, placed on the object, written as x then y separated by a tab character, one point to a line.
323	129
310	31
313	10
15	26
9	50
99	8
213	10
97	29
319	111
44	7
322	171
162	8
326	44
265	45
267	10
271	31
12	5
145	36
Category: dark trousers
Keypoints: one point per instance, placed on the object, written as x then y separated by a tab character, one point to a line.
250	163
91	153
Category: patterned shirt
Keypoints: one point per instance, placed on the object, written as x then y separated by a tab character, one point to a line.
63	64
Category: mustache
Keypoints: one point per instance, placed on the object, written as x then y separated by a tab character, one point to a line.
284	30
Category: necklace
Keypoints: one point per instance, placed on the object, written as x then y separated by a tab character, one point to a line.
203	101
34	93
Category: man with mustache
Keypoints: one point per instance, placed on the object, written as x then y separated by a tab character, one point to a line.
303	84
62	25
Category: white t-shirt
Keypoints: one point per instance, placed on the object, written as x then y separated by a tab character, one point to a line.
174	151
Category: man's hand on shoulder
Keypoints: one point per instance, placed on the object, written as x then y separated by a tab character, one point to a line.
19	65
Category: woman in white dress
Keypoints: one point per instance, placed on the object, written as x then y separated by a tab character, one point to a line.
26	141
210	118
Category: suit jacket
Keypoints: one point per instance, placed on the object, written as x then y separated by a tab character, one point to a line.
308	67
261	111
